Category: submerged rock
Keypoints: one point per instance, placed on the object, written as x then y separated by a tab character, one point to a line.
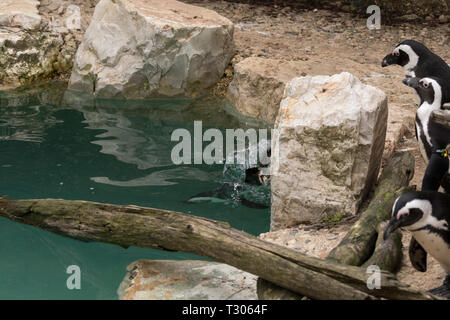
258	85
186	280
137	49
327	148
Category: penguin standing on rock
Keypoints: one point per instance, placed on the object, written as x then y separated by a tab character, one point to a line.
426	214
433	137
419	61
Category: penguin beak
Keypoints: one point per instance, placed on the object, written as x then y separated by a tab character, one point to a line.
411	82
393	225
263	179
387	61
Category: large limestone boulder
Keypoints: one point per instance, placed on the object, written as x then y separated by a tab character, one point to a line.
137	49
258	85
186	280
327	149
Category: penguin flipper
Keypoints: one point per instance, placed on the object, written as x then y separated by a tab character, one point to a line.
445	183
444	290
209	196
253	205
417	255
436	173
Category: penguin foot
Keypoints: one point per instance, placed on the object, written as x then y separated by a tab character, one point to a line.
444	290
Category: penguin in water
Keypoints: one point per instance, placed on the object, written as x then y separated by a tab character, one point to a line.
433	138
248	184
419	61
426	214
228	191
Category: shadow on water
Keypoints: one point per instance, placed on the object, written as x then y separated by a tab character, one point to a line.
64	146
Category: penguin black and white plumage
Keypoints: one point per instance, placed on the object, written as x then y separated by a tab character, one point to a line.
426	214
433	138
420	62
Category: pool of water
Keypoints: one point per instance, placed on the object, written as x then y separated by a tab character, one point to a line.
57	145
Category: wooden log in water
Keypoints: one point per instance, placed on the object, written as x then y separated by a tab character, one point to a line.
174	231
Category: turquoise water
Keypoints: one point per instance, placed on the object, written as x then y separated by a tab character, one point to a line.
109	151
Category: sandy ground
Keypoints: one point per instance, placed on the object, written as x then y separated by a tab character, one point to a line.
332	42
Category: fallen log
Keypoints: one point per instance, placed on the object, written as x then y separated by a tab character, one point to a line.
169	230
268	291
387	256
359	243
441	117
388	253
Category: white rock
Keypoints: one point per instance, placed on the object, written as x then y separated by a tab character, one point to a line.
327	149
186	280
136	49
20	13
258	85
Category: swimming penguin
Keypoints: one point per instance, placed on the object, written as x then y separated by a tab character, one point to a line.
255	176
433	138
247	183
418	61
241	192
426	214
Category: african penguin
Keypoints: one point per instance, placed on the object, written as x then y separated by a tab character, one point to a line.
426	214
418	61
229	191
433	138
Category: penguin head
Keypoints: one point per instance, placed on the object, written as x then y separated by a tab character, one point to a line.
429	89
406	53
409	209
398	56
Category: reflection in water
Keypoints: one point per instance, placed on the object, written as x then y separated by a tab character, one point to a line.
136	132
161	178
139	132
26	114
25	123
145	145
